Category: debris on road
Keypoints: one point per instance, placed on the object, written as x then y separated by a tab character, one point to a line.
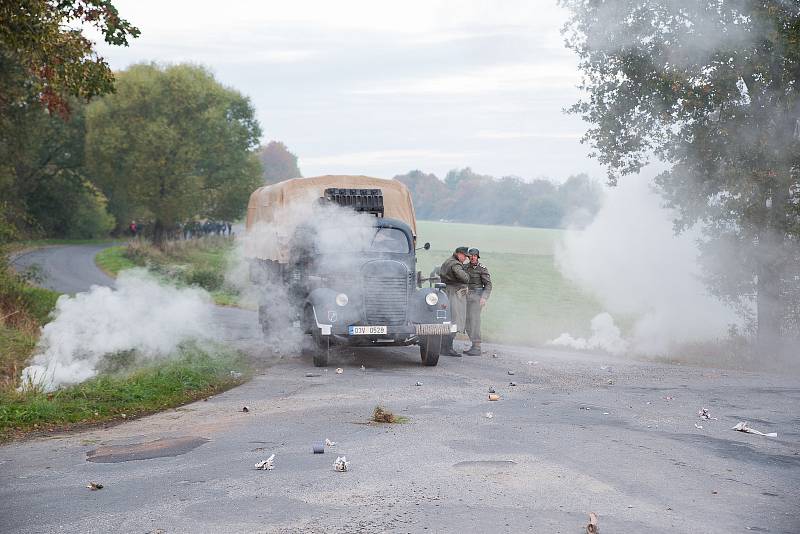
329	443
266	465
698	426
94	486
704	414
489	415
744	426
236	375
341	464
245	409
512	384
494	355
592	527
494	397
510	372
491	389
339	370
610	382
312	375
419	383
363	369
318	447
382	415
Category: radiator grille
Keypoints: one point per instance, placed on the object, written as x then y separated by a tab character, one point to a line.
385	300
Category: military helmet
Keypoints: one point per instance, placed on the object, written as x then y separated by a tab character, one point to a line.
474	252
463	250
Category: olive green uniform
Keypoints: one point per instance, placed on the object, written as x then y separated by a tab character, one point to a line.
456	279
479	287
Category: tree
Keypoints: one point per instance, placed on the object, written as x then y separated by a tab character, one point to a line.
172	143
44	54
278	163
710	88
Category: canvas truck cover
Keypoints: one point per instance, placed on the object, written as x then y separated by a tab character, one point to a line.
272	207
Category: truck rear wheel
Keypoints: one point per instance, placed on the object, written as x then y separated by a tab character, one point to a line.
429	350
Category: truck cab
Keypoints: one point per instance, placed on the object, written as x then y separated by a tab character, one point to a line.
353	280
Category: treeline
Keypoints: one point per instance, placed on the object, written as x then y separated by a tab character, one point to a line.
466	196
169	145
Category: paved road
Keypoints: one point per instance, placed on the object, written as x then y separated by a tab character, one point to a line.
562	442
65	268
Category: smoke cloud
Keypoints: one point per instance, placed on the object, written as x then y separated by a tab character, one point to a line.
630	258
142	315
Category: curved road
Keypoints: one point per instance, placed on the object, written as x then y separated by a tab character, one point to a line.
578	433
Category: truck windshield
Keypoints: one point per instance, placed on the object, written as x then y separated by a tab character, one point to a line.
364	239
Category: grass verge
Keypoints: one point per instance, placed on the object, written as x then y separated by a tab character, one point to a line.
190	375
200	262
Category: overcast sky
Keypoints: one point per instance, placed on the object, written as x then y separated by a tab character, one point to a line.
380	88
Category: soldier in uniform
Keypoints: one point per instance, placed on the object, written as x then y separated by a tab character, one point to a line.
456	279
479	289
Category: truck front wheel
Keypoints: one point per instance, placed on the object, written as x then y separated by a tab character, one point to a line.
320	345
429	350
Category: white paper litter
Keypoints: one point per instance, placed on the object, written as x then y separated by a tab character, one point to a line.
704	414
743	426
329	443
339	370
267	464
698	426
489	415
341	463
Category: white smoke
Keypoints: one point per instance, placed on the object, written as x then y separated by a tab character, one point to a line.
142	315
630	258
605	336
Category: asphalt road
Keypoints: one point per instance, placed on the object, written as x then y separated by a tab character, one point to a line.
578	433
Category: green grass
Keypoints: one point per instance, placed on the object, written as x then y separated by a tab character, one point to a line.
190	375
531	301
200	262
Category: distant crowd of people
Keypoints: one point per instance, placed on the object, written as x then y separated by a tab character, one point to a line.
187	230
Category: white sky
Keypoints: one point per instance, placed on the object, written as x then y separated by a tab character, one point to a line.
380	88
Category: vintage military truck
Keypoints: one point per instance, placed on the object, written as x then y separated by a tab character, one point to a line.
342	279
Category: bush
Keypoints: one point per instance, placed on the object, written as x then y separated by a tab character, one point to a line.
206	278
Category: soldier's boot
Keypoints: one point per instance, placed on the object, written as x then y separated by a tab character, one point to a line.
451	351
474	350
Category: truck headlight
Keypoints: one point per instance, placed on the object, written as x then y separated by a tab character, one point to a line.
342	300
432	299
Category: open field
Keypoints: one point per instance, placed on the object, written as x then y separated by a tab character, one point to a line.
531	302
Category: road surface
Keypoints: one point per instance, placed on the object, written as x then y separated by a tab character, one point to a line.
578	433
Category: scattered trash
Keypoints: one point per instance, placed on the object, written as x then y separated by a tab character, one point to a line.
341	464
494	397
705	414
339	370
512	384
606	413
123	415
610	382
667	398
698	426
266	465
585	408
744	426
494	355
419	383
318	447
489	415
714	492
511	373
94	486
592	527
312	375
491	389
245	409
329	443
236	375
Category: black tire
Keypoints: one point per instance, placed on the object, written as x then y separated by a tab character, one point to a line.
320	345
429	349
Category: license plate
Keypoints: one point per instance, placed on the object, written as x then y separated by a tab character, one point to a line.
365	330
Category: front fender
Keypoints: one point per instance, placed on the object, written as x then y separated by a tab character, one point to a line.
327	312
420	311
